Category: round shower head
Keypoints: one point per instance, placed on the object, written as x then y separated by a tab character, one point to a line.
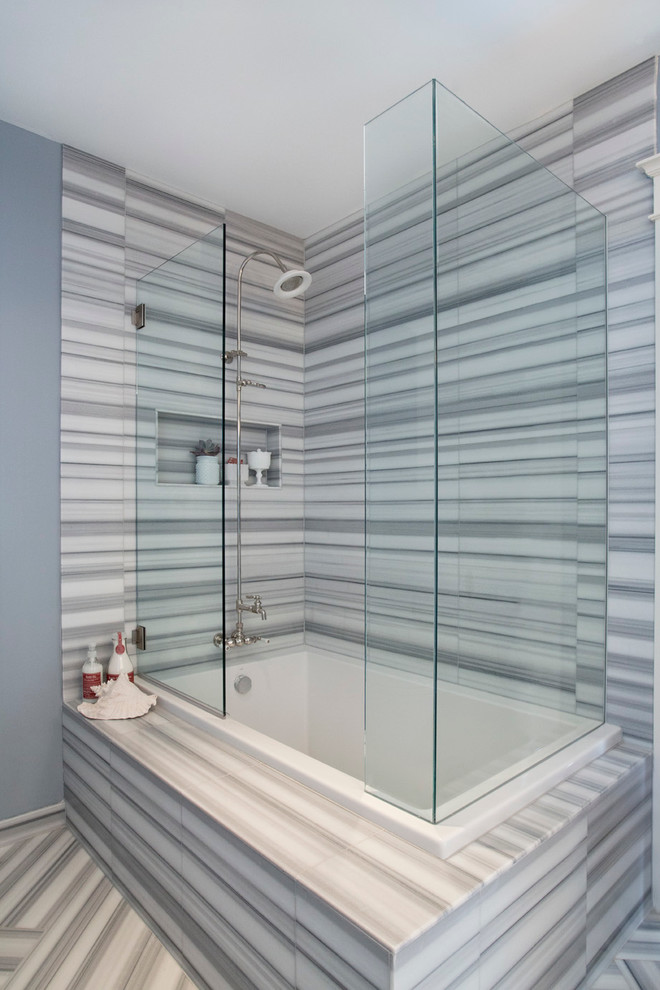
292	283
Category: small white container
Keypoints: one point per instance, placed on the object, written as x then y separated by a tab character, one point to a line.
207	470
259	461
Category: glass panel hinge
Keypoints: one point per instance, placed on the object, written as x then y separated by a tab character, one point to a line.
139	637
139	317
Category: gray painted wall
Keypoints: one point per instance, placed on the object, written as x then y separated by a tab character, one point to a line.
30	670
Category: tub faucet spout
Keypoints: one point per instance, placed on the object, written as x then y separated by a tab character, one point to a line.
238	637
257	607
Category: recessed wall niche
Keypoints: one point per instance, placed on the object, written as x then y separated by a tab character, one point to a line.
177	434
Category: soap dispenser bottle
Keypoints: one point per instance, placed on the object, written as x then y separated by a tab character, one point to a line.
119	661
92	674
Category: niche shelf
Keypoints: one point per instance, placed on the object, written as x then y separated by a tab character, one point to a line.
178	433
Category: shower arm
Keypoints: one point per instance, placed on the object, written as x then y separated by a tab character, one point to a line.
239	388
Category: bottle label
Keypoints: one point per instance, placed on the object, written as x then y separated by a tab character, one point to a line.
90	681
131	676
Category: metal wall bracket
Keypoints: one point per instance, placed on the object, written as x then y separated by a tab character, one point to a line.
230	355
139	637
139	317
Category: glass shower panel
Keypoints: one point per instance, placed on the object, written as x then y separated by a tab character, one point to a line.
512	233
180	521
402	481
514	262
517	439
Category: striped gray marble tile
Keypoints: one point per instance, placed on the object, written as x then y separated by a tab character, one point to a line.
64	926
636	965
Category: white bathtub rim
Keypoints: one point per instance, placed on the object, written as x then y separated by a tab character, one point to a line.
443	839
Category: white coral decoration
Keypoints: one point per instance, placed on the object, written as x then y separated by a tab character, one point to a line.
118	699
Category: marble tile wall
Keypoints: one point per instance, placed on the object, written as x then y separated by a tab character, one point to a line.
115	224
179	523
160	225
118	228
596	886
272	332
592	143
258	881
614	127
96	407
520	424
334	439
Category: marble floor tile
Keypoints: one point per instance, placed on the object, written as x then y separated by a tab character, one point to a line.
636	964
644	972
609	979
64	926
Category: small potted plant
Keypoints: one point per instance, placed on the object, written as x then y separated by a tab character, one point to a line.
207	466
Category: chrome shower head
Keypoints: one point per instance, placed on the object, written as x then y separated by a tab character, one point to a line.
292	283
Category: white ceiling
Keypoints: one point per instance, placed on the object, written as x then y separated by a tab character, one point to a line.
258	105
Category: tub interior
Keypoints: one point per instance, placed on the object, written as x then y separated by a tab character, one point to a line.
310	701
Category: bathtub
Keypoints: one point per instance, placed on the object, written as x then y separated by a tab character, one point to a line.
303	714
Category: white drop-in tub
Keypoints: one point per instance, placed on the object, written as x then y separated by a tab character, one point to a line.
303	715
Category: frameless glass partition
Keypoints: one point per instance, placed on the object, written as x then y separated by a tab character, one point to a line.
179	496
486	457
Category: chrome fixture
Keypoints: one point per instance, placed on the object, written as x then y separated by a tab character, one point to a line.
230	355
291	283
139	316
237	638
242	382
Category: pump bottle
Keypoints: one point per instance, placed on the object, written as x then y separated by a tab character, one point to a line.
92	674
119	661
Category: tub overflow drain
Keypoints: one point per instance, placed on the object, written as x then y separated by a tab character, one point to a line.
243	684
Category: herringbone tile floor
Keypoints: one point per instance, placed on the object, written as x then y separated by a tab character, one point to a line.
64	926
636	965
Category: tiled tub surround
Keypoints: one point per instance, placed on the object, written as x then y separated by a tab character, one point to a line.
256	881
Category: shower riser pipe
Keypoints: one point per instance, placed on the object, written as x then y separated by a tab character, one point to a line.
291	283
